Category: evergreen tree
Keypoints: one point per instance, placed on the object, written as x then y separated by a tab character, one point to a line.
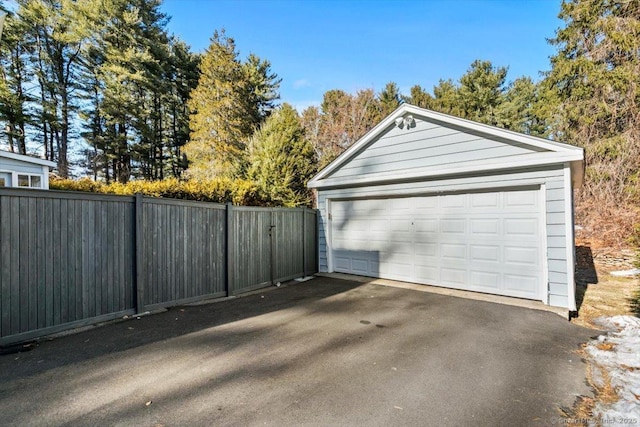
446	98
229	103
481	92
419	97
389	98
55	30
14	74
281	159
593	93
519	109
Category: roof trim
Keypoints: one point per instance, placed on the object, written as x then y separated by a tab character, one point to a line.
28	159
560	152
523	161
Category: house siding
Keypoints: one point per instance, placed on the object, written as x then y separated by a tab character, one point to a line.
19	166
426	146
550	178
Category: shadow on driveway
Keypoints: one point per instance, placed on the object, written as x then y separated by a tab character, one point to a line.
323	352
117	336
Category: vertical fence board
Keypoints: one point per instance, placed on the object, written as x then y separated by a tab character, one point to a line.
69	259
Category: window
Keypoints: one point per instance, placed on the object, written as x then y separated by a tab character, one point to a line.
31	181
5	179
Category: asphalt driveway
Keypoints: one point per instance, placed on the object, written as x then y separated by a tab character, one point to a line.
324	352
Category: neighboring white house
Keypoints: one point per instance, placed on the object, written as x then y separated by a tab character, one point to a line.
428	198
18	170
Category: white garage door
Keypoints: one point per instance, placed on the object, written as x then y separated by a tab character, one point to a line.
486	242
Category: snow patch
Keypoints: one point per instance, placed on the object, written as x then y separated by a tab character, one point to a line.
626	273
618	354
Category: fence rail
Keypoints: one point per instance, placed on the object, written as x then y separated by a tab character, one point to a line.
69	259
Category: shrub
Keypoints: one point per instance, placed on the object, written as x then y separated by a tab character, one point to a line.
221	190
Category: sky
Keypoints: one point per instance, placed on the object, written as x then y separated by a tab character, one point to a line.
319	45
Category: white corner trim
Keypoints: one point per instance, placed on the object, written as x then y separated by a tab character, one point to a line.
545	247
570	242
45	179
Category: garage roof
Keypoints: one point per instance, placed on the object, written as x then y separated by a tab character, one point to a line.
535	152
27	159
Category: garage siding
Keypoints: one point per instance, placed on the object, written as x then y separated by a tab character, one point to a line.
426	145
551	177
556	243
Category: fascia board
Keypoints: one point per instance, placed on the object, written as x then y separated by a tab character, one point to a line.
525	161
27	159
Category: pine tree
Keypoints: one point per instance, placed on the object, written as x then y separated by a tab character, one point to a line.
389	98
481	91
446	98
54	27
14	74
419	97
519	109
593	92
281	159
231	100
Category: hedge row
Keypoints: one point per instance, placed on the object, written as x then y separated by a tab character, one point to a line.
238	192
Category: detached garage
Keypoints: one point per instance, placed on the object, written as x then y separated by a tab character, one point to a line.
433	199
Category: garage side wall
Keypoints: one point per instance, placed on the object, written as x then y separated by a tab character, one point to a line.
551	178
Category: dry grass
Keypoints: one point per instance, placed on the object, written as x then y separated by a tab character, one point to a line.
582	411
611	296
599	294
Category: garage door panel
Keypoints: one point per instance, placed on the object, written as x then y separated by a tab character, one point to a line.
485	227
520	285
426	204
484	253
394	270
452	276
519	255
453	226
453	201
484	279
403	226
521	198
360	265
487	242
426	249
521	226
485	200
425	225
426	274
450	251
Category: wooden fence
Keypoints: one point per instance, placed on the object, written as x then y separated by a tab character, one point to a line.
69	259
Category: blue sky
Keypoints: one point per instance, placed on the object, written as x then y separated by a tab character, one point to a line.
315	45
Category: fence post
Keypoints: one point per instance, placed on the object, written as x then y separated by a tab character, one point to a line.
272	247
228	250
304	242
316	243
139	254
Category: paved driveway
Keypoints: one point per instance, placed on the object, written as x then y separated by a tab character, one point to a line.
324	352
